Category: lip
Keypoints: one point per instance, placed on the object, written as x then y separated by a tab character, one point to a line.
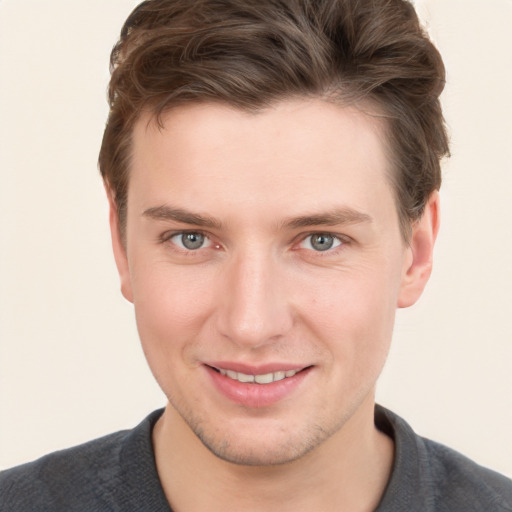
259	369
252	395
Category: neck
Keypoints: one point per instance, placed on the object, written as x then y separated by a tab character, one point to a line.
349	471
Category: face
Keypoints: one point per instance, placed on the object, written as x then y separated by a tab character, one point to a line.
265	263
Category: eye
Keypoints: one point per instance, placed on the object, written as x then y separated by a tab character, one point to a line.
320	242
191	240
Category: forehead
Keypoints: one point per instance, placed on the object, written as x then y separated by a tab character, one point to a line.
296	155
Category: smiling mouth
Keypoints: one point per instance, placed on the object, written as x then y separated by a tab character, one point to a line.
265	378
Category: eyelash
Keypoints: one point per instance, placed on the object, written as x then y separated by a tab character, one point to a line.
343	241
169	235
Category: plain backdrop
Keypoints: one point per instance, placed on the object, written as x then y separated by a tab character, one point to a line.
70	363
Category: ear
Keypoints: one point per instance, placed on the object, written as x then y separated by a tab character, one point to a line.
418	260
119	248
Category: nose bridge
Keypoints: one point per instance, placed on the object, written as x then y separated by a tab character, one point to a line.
254	309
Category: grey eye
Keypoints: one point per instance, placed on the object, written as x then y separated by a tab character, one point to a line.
322	242
190	241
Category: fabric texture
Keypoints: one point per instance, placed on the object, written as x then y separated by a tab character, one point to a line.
118	473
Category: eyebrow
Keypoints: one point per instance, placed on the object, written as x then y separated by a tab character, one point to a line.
329	218
180	215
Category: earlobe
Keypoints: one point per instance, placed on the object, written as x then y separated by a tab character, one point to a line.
119	248
418	261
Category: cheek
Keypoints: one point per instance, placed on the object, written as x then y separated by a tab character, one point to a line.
352	313
171	305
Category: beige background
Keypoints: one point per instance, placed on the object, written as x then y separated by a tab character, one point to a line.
70	364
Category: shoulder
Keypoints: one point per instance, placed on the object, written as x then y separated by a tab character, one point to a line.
460	480
61	477
114	472
429	476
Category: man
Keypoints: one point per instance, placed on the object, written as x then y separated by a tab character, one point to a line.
272	170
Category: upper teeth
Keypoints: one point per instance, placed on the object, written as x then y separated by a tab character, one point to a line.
265	378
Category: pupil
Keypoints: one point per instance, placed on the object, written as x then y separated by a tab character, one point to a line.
322	242
192	240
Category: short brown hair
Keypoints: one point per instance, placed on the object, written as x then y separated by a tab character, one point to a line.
250	54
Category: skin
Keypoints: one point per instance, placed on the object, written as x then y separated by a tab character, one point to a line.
258	292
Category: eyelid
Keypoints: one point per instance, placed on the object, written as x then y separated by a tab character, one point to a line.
342	239
168	235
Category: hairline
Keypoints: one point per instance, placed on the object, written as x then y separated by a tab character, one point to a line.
367	105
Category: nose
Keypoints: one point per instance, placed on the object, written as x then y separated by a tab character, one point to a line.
253	310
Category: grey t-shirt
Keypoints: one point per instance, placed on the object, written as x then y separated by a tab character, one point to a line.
118	473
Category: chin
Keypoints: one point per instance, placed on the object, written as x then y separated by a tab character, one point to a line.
255	455
261	447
